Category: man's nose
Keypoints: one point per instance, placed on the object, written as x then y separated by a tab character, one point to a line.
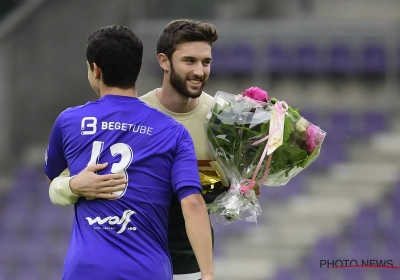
198	70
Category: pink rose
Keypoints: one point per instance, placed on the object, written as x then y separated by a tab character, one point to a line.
314	137
256	94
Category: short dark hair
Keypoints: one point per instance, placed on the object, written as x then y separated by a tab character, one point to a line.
118	51
183	31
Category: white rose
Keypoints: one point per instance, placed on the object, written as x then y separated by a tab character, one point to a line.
301	125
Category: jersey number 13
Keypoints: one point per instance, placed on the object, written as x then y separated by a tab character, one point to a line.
116	168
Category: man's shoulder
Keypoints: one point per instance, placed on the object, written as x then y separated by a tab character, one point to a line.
70	111
80	111
77	108
150	100
149	97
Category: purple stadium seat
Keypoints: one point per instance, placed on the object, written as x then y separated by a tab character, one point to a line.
354	274
334	139
392	230
373	122
341	117
285	274
220	56
360	249
369	213
330	154
58	251
279	60
40	238
398	60
26	249
241	59
29	272
340	60
325	248
7	253
54	272
28	253
391	250
6	271
373	61
366	223
225	231
307	59
388	274
342	123
233	59
321	274
395	196
318	272
15	214
294	187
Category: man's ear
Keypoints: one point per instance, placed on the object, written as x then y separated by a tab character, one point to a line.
163	61
96	71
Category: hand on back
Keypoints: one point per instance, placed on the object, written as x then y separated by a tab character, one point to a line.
91	185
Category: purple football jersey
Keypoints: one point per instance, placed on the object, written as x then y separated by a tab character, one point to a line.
125	238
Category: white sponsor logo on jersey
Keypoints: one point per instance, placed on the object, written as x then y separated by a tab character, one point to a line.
114	220
88	126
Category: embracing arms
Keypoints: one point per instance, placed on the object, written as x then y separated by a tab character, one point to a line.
65	190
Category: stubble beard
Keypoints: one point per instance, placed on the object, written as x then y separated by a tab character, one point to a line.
180	86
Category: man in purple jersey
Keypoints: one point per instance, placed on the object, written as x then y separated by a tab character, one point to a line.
126	238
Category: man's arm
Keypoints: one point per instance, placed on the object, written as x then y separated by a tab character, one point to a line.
65	190
198	230
59	191
186	184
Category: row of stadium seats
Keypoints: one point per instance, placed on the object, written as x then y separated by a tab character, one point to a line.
34	237
337	59
373	234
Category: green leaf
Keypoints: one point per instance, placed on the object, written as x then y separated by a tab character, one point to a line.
265	128
313	156
287	129
287	157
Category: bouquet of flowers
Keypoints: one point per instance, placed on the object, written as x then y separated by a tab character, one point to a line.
242	131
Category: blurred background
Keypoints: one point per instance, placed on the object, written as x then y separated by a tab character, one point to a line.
339	60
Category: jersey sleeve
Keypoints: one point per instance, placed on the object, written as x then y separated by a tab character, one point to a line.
60	192
185	173
55	161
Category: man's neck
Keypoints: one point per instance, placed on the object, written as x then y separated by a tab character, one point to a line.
171	100
117	91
